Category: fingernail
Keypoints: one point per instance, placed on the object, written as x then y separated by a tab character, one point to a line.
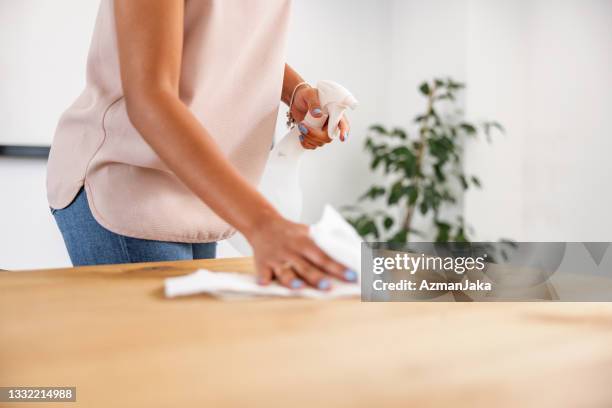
296	283
346	135
301	138
350	275
316	111
324	284
303	129
260	281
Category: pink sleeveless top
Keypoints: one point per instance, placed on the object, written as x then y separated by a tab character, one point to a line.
232	73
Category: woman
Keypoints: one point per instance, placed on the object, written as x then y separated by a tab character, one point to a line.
158	158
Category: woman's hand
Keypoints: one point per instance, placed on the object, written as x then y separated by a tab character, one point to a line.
284	251
307	100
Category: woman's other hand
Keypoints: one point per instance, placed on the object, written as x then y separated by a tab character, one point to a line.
307	100
284	251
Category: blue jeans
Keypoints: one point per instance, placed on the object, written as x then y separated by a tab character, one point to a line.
89	243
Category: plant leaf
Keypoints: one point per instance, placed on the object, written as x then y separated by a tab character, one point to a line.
420	118
388	222
424	88
412	193
443	231
398	132
438	172
397	191
468	128
476	181
463	181
379	129
400	237
493	124
365	226
423	207
455	85
373	193
460	235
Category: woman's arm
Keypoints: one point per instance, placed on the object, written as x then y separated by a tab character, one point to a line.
150	38
150	35
291	79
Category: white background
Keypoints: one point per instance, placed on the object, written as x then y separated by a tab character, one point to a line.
540	67
43	48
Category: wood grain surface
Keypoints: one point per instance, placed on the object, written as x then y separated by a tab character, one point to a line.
110	332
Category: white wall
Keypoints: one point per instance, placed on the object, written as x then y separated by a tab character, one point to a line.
42	65
29	237
42	43
542	67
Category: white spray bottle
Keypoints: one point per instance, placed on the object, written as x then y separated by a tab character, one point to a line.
280	182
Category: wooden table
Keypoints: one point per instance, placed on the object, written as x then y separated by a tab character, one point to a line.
110	332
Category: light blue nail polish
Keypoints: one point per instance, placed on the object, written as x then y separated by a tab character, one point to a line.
346	135
303	129
350	275
296	284
316	111
301	138
324	284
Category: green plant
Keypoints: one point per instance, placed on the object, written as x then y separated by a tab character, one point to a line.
425	171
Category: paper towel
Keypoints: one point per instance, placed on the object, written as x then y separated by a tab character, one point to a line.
332	233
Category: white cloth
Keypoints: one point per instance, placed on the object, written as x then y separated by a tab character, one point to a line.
332	233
